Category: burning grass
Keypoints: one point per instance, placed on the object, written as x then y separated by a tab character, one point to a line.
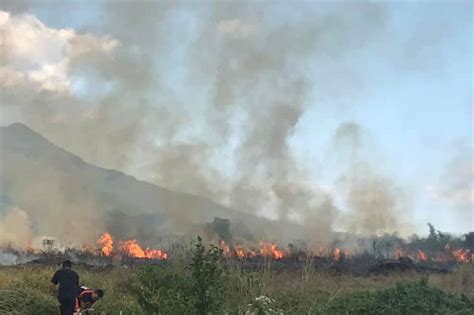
423	276
203	280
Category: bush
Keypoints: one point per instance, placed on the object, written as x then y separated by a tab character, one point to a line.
416	298
207	278
165	291
196	290
26	302
262	305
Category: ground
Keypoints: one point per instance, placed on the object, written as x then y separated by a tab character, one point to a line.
25	290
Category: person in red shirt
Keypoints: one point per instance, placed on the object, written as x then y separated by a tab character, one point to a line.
86	299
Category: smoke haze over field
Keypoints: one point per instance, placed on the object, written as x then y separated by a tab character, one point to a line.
227	100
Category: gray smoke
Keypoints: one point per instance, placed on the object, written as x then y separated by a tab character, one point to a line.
248	78
374	202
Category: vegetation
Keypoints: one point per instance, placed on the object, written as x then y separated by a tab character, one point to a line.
203	285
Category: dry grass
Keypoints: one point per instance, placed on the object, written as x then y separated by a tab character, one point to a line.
295	289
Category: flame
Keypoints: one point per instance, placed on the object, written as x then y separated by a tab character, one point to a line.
400	253
459	255
270	250
106	244
225	249
156	254
422	256
462	255
337	254
133	249
130	248
240	252
266	250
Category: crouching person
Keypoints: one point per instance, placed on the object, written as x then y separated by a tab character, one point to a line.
86	299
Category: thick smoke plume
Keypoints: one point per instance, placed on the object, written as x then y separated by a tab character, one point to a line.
111	93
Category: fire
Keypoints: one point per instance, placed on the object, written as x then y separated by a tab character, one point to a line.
133	249
266	250
225	249
130	248
156	254
462	255
400	253
240	252
106	244
459	255
422	256
270	250
337	254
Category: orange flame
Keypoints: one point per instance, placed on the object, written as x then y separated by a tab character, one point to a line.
400	253
270	250
462	255
337	254
459	255
133	249
130	248
225	248
106	244
422	256
240	252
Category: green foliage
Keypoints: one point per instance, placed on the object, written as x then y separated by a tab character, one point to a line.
200	284
196	290
26	302
206	278
165	291
262	305
469	241
417	298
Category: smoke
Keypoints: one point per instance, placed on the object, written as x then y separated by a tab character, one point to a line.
456	185
15	229
112	93
373	200
55	204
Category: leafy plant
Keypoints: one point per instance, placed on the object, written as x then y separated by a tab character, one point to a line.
207	278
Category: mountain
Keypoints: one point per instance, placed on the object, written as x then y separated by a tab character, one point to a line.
63	196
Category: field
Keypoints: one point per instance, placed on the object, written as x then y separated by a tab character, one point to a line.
202	284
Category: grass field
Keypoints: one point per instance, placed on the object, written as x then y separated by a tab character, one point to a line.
203	286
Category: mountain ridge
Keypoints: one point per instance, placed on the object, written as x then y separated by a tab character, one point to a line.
52	184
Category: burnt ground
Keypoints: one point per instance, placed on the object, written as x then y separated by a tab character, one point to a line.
362	264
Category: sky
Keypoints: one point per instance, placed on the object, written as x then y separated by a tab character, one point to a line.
394	78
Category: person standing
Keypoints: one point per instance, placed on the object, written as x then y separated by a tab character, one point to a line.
65	282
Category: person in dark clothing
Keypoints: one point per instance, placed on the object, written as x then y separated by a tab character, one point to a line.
65	282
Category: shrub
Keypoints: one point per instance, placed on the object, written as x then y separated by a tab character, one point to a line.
165	291
198	289
262	305
417	298
26	302
207	278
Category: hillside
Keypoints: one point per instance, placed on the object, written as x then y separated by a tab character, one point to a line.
65	197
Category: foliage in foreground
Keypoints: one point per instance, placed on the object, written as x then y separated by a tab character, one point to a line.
204	285
197	289
410	298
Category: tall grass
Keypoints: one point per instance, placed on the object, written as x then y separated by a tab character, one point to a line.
206	286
